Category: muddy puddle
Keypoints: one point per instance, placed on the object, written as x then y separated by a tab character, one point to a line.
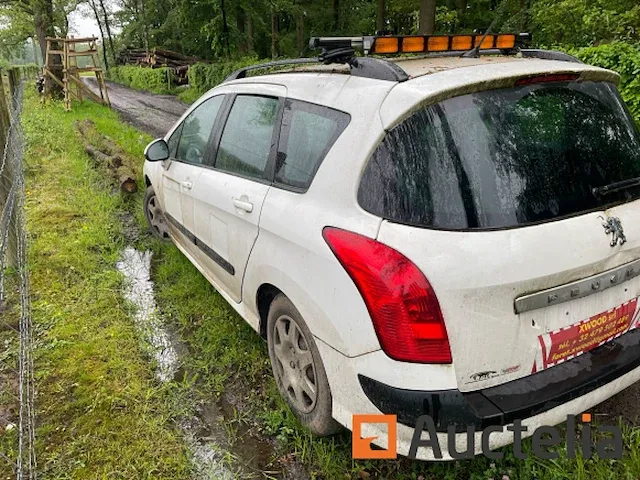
208	432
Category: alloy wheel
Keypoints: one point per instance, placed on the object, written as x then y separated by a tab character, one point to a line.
294	364
157	220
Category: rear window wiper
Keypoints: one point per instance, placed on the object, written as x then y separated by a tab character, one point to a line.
617	186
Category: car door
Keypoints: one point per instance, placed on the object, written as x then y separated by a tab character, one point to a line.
229	196
188	146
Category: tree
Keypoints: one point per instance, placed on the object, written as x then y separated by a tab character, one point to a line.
107	26
29	18
275	50
42	21
335	7
225	30
94	9
582	22
427	17
380	18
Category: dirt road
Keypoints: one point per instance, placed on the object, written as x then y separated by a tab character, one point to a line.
151	113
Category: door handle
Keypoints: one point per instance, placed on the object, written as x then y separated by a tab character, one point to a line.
243	205
188	185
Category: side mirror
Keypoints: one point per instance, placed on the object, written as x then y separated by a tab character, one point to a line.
157	151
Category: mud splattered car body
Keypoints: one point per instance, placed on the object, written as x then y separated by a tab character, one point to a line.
440	236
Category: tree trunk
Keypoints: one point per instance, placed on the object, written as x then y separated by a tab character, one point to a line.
380	23
146	25
241	22
250	46
65	32
524	14
43	22
427	17
300	32
94	7
41	33
336	14
36	58
461	5
225	30
108	27
274	35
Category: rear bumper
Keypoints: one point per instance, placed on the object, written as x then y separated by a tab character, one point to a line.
519	399
545	398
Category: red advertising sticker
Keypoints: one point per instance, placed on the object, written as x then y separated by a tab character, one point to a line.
569	342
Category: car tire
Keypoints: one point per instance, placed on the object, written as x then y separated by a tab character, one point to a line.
155	216
298	369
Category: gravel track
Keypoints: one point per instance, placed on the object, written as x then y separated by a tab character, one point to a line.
153	114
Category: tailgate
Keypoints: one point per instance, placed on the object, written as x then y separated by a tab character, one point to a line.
478	276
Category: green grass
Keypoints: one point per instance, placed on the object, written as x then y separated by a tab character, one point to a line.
9	349
100	412
100	409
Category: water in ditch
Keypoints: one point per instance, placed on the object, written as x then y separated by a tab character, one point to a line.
206	432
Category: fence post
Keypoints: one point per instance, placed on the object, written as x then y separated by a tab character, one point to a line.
14	80
6	178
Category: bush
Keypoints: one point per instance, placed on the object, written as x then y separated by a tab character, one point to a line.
205	76
623	58
155	80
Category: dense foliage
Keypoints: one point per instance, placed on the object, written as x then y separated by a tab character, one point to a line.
203	76
212	29
624	58
585	22
156	80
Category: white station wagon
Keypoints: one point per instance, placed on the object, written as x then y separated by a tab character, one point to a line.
443	235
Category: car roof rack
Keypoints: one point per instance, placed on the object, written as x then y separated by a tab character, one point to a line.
342	52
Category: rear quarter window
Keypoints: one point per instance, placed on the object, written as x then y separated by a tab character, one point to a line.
308	133
505	158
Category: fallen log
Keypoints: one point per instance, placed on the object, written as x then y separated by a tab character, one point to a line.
99	157
121	173
128	184
87	128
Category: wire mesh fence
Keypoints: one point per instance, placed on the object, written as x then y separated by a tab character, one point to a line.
17	386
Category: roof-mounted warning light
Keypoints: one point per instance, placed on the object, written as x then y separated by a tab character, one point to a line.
398	44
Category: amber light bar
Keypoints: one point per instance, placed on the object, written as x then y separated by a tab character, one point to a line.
441	43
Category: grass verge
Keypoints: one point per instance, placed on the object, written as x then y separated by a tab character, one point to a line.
100	412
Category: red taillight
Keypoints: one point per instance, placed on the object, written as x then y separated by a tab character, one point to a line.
553	77
405	311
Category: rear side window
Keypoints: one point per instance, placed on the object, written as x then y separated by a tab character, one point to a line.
246	141
308	133
505	158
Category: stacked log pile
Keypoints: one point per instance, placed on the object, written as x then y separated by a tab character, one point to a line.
159	57
133	56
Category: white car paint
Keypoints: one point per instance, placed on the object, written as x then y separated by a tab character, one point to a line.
280	243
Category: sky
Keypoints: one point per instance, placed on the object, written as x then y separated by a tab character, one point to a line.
83	24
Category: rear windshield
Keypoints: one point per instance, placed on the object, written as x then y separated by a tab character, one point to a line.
505	158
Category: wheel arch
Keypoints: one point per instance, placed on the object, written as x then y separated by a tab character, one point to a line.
264	297
318	287
279	283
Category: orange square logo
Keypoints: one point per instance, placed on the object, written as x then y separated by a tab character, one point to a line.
361	447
